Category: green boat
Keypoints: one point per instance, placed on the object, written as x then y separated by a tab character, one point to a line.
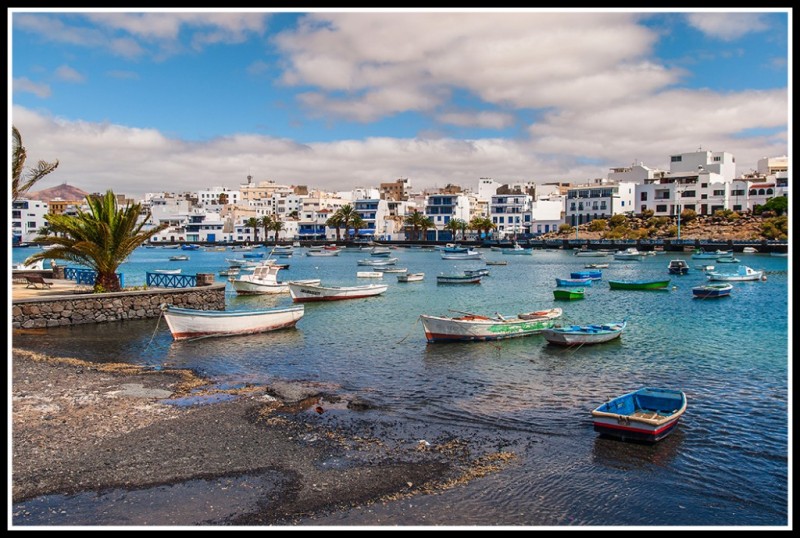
568	294
638	284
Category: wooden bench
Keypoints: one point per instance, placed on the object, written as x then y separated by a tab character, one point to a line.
37	281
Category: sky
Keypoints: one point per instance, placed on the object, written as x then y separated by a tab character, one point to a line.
181	100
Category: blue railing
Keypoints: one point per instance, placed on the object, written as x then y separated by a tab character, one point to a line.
161	280
87	276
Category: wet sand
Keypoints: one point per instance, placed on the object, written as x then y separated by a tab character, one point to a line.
247	456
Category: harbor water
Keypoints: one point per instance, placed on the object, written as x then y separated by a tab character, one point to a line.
726	464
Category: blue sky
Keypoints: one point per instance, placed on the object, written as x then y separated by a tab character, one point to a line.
179	100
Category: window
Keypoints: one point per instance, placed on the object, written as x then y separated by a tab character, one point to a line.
752	192
719	193
644	207
769	191
688	194
704	185
676	158
717	159
31	225
661	208
704	197
643	197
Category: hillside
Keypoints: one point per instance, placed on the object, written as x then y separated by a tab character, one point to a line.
63	192
745	228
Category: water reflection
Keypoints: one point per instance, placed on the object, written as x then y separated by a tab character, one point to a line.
626	455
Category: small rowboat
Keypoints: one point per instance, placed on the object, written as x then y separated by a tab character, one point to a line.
181	258
578	335
638	284
712	290
458	279
302	293
473	327
648	414
411	277
369	274
186	323
571	282
568	294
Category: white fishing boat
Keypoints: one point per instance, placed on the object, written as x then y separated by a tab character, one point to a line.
390	269
302	293
586	253
186	323
411	277
167	271
630	253
742	273
576	335
468	255
180	258
263	281
323	253
475	327
369	274
377	262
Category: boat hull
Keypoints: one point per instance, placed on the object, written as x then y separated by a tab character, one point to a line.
476	279
187	324
254	287
649	285
482	328
648	414
568	295
712	291
583	335
305	293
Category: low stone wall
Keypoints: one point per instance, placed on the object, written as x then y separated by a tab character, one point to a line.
75	309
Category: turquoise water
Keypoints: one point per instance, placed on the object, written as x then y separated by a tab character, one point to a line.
726	464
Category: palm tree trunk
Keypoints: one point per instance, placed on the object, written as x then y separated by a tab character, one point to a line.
107	282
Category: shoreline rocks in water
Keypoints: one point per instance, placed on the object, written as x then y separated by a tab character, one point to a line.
81	428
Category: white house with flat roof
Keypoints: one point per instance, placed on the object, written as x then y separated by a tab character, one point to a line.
27	217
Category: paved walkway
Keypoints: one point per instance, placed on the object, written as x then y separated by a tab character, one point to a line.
20	289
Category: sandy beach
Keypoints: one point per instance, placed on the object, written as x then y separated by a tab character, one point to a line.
82	428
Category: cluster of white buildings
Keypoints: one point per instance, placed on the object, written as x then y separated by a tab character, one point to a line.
704	181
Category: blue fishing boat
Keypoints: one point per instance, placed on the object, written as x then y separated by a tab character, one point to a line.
253	255
712	290
594	275
567	282
647	414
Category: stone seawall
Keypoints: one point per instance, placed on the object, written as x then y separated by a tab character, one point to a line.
75	309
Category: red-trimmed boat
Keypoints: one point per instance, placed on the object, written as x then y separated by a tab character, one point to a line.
647	414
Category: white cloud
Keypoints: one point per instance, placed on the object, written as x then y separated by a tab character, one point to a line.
524	60
24	84
96	157
727	26
68	74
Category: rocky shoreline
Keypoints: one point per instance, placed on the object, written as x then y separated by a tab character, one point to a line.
81	428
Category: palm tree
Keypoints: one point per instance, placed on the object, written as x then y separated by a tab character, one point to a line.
453	226
426	224
414	221
101	239
348	213
21	181
253	224
487	225
266	223
277	227
476	223
357	223
335	221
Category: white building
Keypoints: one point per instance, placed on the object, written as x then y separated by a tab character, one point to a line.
487	187
27	217
585	203
511	213
215	198
441	208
